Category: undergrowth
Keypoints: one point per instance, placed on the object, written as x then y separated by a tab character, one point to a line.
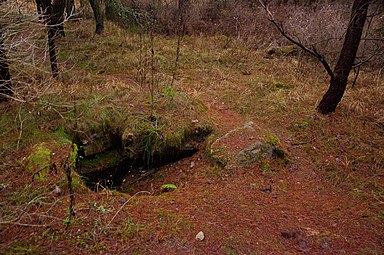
99	90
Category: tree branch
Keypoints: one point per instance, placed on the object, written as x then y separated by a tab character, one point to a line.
312	51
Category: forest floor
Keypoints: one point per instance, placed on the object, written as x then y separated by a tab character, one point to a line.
329	199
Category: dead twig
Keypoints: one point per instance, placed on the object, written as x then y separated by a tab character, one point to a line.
126	202
22	224
21	129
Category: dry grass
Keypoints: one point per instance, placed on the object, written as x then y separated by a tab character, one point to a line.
216	73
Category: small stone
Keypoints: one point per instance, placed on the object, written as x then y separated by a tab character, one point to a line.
292	169
195	121
3	186
324	244
57	191
192	164
200	236
303	243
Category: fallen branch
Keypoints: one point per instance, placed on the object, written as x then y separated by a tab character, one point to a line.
22	224
126	202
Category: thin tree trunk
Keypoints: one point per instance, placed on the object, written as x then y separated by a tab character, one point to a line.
98	16
39	8
347	56
57	18
48	9
70	8
5	76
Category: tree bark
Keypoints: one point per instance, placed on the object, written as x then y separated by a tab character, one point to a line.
70	8
48	10
98	16
57	19
39	8
5	76
347	56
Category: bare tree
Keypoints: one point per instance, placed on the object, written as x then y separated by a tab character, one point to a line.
346	59
5	77
48	14
339	75
57	17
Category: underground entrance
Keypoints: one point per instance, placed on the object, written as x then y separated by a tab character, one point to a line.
114	168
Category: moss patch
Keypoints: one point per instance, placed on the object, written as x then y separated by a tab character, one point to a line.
39	161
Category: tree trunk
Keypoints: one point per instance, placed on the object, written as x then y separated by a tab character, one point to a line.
48	9
347	56
5	77
70	8
39	8
57	19
98	16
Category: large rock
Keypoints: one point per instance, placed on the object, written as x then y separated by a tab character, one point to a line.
244	146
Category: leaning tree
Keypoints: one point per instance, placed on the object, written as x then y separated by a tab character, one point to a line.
339	74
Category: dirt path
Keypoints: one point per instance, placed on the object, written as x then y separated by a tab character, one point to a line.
245	211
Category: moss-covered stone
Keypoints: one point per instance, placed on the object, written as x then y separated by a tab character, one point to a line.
246	145
39	161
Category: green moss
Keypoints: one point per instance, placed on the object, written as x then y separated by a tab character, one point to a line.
110	158
39	161
61	136
280	85
266	167
171	139
73	156
272	139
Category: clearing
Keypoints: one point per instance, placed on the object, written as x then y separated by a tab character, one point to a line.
327	199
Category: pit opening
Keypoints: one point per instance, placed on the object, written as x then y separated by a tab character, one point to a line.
111	169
